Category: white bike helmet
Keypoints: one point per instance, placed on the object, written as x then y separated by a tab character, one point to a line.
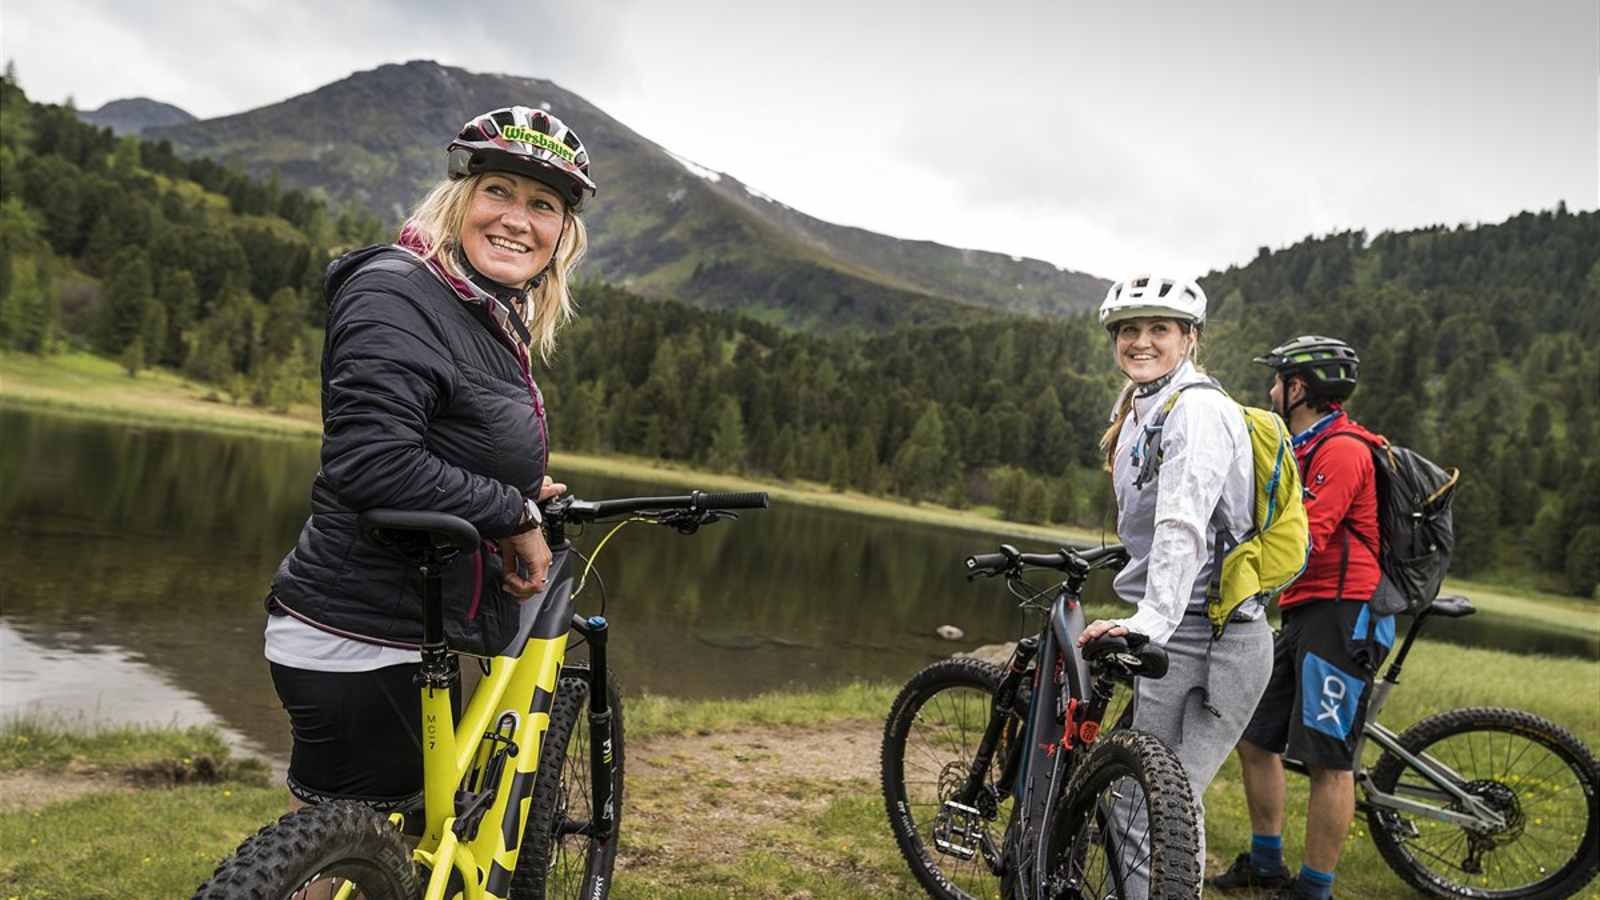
1153	295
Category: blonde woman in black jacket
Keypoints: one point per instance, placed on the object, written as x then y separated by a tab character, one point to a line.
428	403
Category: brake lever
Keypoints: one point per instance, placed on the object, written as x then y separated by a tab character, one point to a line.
689	521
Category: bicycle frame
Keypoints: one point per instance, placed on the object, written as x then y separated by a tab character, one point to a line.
1040	764
1053	759
473	825
465	783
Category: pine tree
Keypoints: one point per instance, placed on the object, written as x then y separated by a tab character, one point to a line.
129	292
182	303
281	327
727	442
864	461
920	462
1583	562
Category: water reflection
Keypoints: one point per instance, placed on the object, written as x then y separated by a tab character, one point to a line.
162	542
95	686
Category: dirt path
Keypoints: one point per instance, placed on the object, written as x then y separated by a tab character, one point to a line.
32	789
706	801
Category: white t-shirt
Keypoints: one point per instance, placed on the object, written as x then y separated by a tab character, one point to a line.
293	643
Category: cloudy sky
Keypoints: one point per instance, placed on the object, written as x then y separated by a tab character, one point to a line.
1103	136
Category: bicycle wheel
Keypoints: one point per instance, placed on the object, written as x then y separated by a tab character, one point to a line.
314	851
1534	773
929	742
1127	817
557	860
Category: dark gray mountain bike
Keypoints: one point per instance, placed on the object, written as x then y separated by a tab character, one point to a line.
1481	802
998	781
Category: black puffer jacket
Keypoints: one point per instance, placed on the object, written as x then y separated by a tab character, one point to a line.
426	406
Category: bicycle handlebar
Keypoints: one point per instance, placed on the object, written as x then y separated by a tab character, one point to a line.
695	500
1076	562
569	509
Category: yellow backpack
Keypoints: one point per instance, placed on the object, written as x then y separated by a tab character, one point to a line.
1264	561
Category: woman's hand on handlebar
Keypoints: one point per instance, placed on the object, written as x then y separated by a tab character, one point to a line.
530	549
1100	627
551	489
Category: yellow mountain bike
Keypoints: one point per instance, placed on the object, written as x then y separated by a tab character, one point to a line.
522	796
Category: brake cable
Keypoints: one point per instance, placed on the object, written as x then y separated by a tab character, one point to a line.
583	580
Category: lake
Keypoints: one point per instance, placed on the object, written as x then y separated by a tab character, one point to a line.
135	560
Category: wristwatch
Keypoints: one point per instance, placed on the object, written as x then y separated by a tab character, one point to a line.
531	517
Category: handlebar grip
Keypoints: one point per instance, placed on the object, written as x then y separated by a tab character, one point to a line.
983	562
734	500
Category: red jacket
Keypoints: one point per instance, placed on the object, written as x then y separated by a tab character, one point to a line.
1341	492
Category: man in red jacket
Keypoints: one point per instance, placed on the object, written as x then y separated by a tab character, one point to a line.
1330	646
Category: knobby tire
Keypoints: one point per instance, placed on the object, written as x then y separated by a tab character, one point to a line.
1535	772
1087	855
551	865
330	842
929	742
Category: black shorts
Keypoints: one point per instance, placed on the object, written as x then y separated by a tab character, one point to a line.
356	734
1323	663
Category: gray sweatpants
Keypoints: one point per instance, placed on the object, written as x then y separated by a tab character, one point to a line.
1171	708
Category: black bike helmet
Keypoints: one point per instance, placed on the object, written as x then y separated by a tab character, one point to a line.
528	142
1327	365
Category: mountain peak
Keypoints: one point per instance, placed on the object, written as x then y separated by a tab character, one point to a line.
661	224
133	115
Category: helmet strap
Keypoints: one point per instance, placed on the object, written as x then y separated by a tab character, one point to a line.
503	293
1283	408
1152	387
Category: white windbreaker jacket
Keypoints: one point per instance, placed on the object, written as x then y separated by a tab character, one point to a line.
1170	525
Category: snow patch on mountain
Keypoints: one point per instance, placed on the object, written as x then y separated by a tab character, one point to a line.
697	170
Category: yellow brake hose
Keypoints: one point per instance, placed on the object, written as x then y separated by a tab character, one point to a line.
589	565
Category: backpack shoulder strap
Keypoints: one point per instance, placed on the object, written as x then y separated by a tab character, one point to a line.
1376	450
1373	446
1150	458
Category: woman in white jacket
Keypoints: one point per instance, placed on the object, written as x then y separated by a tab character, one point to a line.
1202	481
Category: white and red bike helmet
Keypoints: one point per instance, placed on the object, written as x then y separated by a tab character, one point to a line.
528	142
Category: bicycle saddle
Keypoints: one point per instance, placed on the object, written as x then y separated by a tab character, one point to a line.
1127	655
1453	607
422	536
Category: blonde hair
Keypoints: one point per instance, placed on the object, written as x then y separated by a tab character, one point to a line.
437	222
1108	440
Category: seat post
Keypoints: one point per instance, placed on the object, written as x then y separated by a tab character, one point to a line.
1392	676
436	669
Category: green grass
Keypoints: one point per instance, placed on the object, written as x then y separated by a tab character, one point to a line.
163	806
35	741
652	716
155	843
83	384
1551	609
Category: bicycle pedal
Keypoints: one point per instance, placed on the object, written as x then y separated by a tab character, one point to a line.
958	830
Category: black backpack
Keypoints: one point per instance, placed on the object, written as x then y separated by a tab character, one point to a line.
1415	531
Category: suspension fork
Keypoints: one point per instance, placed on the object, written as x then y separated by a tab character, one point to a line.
1004	700
602	761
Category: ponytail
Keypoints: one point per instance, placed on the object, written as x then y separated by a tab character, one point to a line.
1108	441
